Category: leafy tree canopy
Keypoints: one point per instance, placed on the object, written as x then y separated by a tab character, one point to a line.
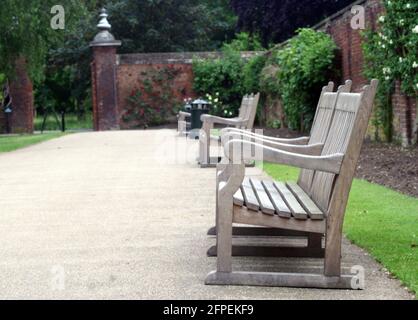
171	25
277	21
26	31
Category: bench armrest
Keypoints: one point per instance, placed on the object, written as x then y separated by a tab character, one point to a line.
330	163
312	150
295	141
183	115
218	120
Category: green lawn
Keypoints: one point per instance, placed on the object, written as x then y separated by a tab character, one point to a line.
380	220
71	123
10	143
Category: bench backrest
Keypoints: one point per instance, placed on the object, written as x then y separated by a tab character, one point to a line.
346	136
244	106
251	111
321	125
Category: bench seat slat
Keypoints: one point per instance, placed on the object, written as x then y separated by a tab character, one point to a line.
250	198
263	198
310	207
280	206
239	198
297	211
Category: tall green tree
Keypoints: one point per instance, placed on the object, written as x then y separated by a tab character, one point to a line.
26	32
277	21
171	25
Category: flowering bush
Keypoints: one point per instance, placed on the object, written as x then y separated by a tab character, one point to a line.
217	105
223	75
391	54
305	64
154	101
228	76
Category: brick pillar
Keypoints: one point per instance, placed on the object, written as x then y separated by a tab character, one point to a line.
404	116
21	91
105	107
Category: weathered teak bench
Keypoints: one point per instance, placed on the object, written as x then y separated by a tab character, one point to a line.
305	145
245	120
183	125
292	206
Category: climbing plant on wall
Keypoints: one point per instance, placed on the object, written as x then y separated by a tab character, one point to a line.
154	101
391	54
305	64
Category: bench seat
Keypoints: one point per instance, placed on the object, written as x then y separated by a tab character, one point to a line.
285	200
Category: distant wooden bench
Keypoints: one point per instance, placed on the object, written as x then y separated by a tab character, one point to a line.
245	120
314	206
183	125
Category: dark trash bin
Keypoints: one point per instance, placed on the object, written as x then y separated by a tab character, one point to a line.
199	107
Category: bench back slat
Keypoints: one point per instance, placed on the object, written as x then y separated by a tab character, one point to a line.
244	107
252	111
321	125
341	130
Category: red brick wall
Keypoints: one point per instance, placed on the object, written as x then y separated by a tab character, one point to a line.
21	91
134	69
2	121
404	117
350	41
104	90
352	62
131	77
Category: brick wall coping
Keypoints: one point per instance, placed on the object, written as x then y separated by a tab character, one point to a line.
172	57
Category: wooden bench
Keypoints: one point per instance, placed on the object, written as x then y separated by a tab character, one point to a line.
245	120
183	125
317	208
311	145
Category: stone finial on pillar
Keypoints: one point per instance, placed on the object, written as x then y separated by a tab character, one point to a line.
105	106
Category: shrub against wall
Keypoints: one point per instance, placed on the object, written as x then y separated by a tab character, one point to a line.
391	54
224	76
230	77
154	101
306	63
294	74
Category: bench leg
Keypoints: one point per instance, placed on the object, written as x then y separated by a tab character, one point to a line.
333	243
224	235
204	145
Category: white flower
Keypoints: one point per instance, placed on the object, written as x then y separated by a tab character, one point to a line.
387	78
382	19
415	65
415	30
402	22
408	6
390	41
400	59
216	100
387	70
